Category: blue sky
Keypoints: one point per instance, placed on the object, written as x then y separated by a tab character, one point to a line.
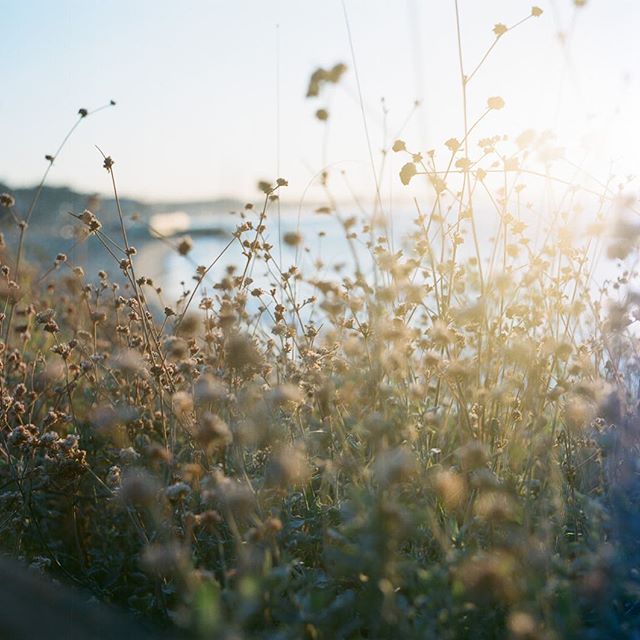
196	86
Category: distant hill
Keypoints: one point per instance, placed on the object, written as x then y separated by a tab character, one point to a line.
55	203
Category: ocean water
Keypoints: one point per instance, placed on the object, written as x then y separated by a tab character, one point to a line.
324	252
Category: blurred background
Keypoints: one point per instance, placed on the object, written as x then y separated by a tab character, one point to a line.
211	94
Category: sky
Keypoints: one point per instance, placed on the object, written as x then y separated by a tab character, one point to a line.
211	94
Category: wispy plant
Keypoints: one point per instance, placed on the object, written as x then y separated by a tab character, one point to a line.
439	443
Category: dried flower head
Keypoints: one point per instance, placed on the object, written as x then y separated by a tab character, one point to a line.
451	488
292	238
394	466
473	455
522	626
138	488
7	200
289	467
212	432
185	245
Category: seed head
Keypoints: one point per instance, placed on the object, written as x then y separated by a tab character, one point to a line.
209	389
7	200
213	432
451	488
178	491
138	489
500	29
522	626
473	455
242	352
185	245
288	468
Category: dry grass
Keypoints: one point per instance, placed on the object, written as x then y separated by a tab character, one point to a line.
443	446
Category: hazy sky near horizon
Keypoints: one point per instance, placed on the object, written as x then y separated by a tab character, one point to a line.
198	85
